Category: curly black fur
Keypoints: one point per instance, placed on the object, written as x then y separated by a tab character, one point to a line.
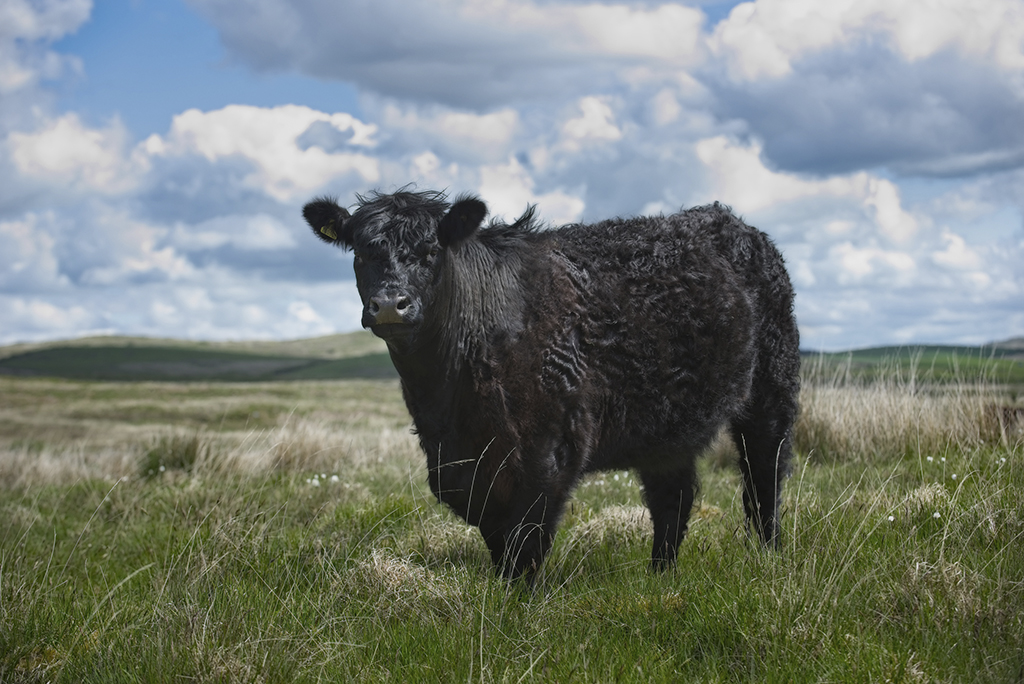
531	357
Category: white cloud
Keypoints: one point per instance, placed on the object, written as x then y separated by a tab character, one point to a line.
508	189
858	263
668	32
268	138
665	107
246	233
957	254
130	250
462	134
740	178
884	197
27	260
34	317
595	124
25	28
763	38
65	151
463	53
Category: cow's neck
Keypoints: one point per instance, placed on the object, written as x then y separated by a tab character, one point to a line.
479	300
477	305
476	311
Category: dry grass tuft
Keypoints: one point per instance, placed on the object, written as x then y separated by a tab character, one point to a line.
398	589
612	525
302	445
22	467
937	592
441	540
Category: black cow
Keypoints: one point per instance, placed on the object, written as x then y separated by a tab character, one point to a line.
530	357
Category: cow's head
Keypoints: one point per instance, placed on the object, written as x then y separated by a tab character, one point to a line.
398	242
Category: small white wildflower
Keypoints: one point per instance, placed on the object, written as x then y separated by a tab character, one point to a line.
322	476
308	481
616	477
1002	460
315	482
162	469
334	478
943	459
892	518
930	459
936	514
954	476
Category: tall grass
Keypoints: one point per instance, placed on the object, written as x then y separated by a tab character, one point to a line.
303	545
846	416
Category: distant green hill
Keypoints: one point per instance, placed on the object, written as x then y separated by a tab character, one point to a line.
357	355
361	355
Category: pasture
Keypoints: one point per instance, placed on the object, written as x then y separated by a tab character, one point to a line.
284	531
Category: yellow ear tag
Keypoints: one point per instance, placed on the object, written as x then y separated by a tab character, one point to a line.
328	230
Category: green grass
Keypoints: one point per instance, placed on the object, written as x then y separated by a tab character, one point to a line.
303	545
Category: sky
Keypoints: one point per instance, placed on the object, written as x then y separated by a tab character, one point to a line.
155	154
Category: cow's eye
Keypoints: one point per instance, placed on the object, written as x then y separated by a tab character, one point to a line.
357	258
427	252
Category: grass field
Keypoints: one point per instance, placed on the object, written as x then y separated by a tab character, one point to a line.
283	531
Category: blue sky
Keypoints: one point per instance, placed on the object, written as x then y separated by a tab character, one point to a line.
147	60
155	154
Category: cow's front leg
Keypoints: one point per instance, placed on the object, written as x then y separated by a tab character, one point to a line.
520	539
669	497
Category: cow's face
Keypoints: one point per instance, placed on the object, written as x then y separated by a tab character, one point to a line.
398	242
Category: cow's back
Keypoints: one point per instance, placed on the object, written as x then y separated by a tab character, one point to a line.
664	327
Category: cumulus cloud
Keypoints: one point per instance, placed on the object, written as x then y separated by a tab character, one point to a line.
858	263
764	38
741	179
463	53
247	233
65	151
32	318
922	87
27	261
268	138
509	190
863	106
458	134
26	31
594	125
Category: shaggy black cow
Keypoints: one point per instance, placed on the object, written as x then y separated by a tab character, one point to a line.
530	357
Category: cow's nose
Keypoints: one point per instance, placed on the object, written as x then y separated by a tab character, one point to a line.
389	309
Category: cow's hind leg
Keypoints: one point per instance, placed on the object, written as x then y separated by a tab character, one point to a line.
669	497
763	441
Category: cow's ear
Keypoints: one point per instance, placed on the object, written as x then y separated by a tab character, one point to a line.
328	220
461	221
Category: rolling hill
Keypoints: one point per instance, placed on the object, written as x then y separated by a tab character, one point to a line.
334	357
361	355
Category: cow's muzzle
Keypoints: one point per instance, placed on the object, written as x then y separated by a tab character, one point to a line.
389	309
